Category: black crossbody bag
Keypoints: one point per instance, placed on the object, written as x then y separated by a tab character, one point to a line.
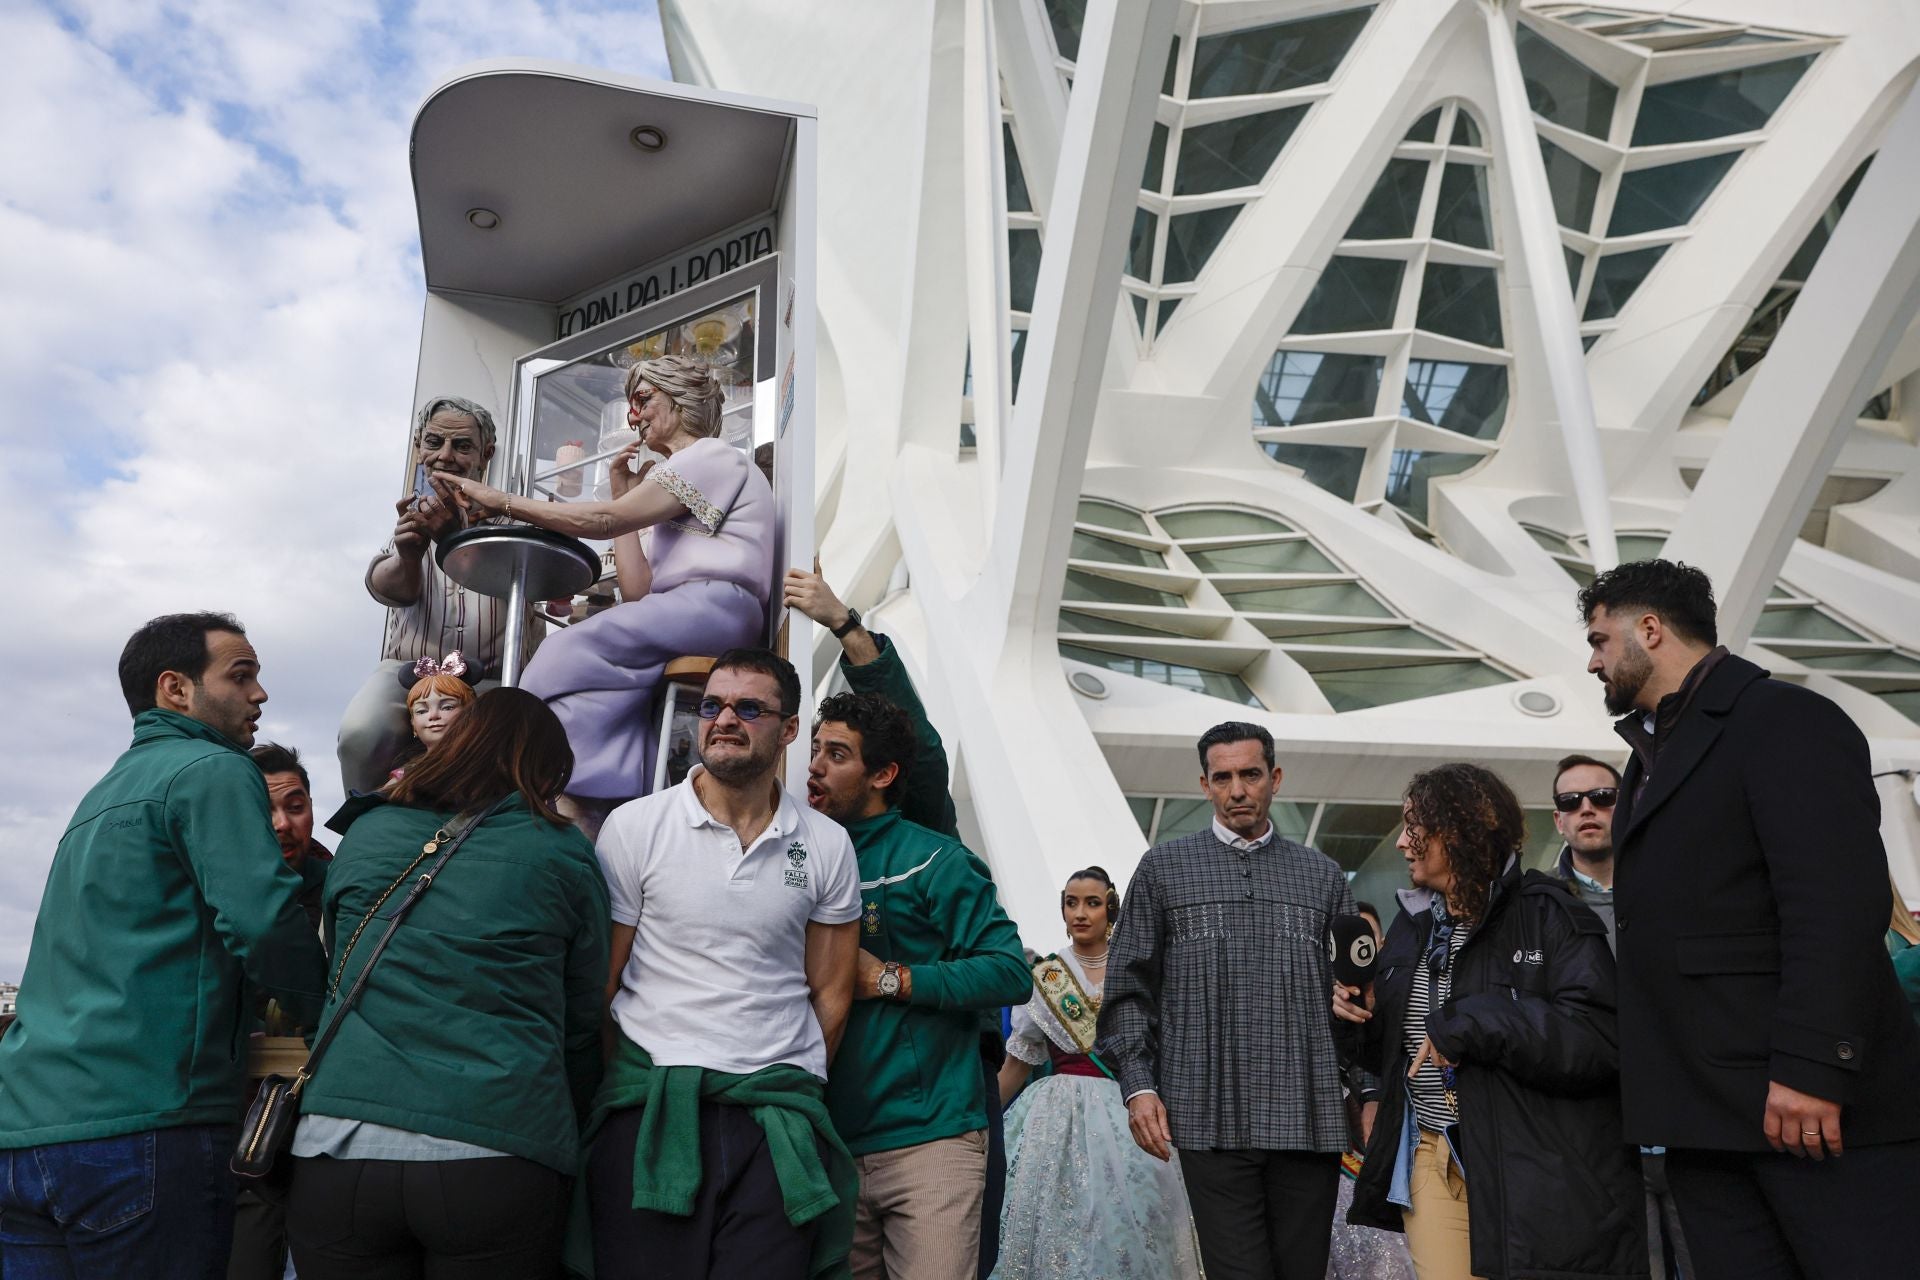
268	1130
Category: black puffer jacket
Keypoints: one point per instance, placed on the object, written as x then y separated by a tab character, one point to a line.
1553	1191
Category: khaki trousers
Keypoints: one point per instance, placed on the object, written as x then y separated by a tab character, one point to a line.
1437	1224
918	1216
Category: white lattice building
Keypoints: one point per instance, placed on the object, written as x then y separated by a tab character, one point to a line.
1295	360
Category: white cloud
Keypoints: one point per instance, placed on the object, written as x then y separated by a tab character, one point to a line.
209	305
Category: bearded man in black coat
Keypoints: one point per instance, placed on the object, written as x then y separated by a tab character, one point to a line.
1762	1030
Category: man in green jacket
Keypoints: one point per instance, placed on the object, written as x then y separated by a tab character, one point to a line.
120	1083
869	663
906	1092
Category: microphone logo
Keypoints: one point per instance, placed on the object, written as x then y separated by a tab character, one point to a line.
1360	952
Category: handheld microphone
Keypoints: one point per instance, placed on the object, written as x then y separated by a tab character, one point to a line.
1352	950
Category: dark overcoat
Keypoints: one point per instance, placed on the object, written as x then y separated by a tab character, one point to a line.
1750	903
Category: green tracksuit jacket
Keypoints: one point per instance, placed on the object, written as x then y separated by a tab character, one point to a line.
910	1073
166	897
927	800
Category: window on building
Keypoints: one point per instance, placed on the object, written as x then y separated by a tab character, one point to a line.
1468	398
1274	58
1462	215
1215	684
1232	153
1461	302
1352	294
1562	90
1717	105
1615	277
1573	184
1300	387
1666	195
1393	204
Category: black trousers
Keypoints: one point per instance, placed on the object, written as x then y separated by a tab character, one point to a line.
490	1219
1770	1216
1262	1215
259	1232
994	1197
738	1227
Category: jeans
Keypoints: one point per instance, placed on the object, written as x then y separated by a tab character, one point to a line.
157	1204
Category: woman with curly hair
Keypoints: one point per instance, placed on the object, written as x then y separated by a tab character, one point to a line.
1497	1147
1083	1202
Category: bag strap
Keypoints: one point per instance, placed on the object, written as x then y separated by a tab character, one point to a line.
395	915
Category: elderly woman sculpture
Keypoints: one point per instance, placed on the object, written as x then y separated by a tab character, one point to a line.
702	589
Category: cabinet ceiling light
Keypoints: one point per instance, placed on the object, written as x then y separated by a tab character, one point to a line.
483	219
648	137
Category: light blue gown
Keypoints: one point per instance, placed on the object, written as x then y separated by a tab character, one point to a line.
1083	1201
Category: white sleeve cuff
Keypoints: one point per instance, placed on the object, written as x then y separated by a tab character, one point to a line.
1140	1093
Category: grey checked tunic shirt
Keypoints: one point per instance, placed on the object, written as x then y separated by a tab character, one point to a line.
1219	994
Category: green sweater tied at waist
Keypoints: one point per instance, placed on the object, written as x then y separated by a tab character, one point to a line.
789	1105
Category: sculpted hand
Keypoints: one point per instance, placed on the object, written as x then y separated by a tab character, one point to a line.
475	499
1147	1118
1801	1124
621	477
436	516
810	594
409	535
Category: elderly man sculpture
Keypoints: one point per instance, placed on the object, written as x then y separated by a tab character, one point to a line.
429	616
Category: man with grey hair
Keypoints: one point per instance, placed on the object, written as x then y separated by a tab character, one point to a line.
428	615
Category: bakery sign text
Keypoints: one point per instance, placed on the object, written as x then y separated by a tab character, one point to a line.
665	278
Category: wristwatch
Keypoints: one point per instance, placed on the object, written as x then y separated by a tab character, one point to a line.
888	984
853	620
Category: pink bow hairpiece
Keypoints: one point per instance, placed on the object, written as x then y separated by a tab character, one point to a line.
451	665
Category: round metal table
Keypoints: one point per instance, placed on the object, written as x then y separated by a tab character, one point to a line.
517	562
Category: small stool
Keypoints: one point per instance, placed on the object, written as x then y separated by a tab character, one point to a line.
690	670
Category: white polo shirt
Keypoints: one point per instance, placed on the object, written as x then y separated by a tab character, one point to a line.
717	977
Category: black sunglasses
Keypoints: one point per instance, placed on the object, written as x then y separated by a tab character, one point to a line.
748	709
1569	801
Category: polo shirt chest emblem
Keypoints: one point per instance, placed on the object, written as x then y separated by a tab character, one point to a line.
796	862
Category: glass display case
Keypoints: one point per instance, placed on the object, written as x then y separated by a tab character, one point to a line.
569	411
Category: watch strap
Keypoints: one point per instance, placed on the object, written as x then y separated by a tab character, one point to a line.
853	620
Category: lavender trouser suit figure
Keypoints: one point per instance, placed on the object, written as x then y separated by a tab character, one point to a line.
712	570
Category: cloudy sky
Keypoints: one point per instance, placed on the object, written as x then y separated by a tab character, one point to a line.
210	301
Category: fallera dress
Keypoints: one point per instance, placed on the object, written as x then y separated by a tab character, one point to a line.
1083	1202
712	571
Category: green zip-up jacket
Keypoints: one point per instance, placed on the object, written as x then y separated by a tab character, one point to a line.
167	896
910	1073
926	800
481	1022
